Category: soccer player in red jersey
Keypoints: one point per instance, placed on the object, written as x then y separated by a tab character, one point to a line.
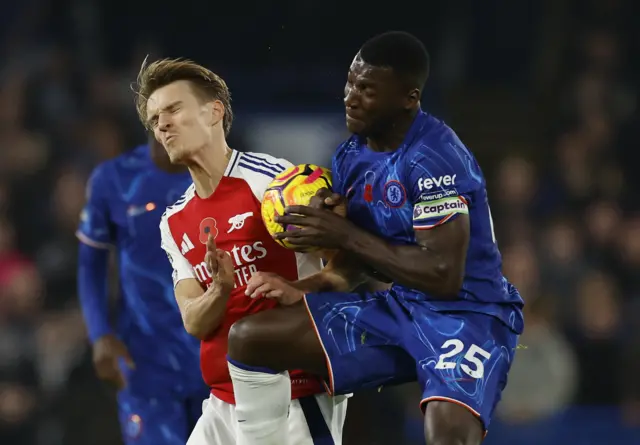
216	241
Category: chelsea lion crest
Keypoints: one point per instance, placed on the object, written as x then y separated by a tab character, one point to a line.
394	194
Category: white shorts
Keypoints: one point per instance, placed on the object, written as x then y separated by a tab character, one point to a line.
309	418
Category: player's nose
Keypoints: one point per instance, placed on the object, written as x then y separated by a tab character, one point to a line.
350	98
164	123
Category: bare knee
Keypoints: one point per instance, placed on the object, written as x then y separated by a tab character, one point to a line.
261	340
279	339
243	341
448	423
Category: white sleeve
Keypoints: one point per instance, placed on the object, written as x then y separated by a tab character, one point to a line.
182	269
308	264
259	181
285	163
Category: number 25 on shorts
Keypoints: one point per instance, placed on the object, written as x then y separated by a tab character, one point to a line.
470	356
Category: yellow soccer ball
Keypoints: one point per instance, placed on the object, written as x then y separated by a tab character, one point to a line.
294	186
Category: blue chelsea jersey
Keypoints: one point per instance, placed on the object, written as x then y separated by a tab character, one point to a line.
429	181
126	198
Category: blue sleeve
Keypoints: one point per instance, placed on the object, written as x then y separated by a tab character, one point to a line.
442	184
337	170
336	180
95	228
93	267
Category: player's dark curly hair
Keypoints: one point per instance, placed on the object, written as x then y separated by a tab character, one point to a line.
401	51
207	84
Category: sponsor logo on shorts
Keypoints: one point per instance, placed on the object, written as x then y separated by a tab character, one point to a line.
439	208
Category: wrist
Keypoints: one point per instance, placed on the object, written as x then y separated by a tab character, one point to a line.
356	239
99	333
317	282
219	290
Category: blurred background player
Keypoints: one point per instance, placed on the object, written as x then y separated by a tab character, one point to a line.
145	353
418	214
188	108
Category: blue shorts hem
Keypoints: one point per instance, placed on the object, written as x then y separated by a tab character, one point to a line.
379	339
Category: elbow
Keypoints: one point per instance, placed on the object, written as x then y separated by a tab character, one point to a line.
194	330
197	329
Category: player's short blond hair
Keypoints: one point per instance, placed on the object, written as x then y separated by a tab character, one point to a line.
205	83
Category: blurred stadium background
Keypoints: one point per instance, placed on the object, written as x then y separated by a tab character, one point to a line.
543	91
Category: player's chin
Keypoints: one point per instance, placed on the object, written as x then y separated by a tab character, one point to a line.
177	155
356	126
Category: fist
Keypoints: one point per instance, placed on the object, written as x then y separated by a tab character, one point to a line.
270	285
107	351
224	278
326	199
219	265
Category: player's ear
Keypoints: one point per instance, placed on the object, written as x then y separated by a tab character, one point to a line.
412	98
217	112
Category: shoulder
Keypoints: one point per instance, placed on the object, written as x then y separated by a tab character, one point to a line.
177	207
134	159
101	178
439	149
261	164
104	170
349	146
257	169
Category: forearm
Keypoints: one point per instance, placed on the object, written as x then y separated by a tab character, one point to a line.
202	315
93	267
342	274
409	265
322	282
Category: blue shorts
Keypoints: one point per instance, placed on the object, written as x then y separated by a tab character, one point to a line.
376	339
151	421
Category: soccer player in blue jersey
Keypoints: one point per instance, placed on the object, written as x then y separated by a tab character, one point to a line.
146	353
417	216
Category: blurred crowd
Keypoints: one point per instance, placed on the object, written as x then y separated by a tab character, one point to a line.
565	206
569	228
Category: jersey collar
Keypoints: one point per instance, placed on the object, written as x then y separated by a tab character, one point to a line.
233	160
415	129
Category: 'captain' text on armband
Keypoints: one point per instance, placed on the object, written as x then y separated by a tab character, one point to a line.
439	208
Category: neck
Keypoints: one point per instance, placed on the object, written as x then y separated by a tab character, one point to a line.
163	163
392	137
207	168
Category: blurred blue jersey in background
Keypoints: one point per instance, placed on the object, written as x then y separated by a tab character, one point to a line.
163	389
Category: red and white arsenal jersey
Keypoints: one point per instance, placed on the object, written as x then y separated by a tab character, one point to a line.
232	215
